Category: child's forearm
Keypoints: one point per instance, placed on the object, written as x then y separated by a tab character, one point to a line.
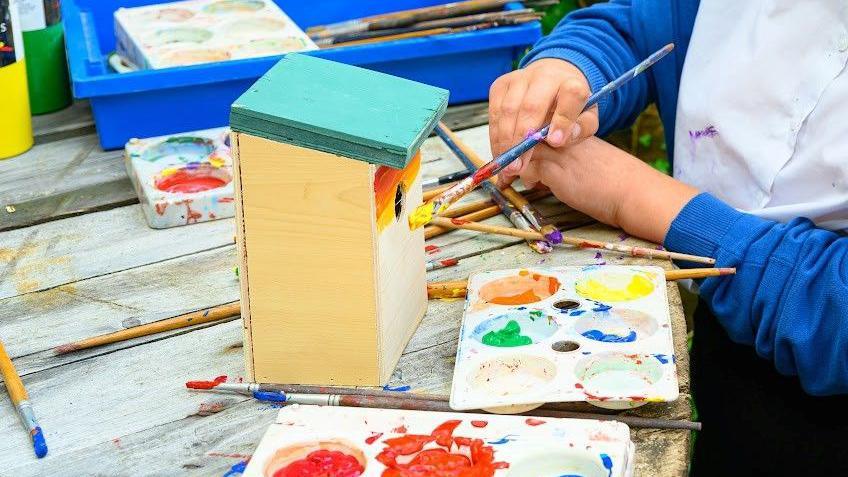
650	201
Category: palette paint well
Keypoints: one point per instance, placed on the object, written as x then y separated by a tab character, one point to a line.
552	339
352	442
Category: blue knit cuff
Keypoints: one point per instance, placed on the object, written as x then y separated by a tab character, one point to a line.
701	226
588	67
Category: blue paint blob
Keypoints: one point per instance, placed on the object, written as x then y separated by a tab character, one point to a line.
502	440
598	335
570	475
269	396
38	443
398	389
601	307
237	469
587	352
577	312
521	308
607	461
554	237
661	358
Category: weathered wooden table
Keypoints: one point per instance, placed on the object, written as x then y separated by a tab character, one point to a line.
77	259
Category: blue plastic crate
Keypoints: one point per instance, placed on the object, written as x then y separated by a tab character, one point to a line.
157	102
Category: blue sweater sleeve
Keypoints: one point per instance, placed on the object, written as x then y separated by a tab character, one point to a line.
598	40
789	297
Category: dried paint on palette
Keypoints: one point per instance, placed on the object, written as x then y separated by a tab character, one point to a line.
353	442
565	334
390	189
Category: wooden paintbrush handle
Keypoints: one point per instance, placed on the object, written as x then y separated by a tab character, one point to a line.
221	312
14	385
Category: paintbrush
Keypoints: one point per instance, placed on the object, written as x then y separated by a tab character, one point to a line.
418	34
475	211
438	205
473	161
219	384
441	405
222	312
458	288
505	199
504	18
445	179
20	398
403	18
458	223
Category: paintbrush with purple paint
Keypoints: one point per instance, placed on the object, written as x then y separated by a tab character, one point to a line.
439	204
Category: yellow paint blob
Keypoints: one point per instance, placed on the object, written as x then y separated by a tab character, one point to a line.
421	216
168	172
612	287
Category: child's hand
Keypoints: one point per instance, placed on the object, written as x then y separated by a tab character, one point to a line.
610	185
522	101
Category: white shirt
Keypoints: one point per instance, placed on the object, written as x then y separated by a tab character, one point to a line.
762	114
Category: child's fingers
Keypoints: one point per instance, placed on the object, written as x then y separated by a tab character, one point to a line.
586	125
496	94
508	114
571	98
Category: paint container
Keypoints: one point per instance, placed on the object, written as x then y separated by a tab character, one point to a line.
364	442
599	334
15	121
47	68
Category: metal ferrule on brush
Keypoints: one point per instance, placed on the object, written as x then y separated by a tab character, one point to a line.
27	415
313	399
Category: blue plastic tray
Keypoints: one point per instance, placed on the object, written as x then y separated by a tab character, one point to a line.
157	102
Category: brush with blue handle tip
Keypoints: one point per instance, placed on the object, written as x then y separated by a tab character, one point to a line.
439	204
20	398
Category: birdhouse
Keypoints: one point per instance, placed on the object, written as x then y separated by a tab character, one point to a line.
327	170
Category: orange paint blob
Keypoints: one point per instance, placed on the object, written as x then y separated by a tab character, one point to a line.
519	290
387	180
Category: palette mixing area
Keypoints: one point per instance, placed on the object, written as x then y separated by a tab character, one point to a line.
600	334
352	442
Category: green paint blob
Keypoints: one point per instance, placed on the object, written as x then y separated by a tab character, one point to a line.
508	337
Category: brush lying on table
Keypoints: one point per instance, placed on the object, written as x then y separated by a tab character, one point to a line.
458	288
217	313
20	399
456	223
372	398
440	204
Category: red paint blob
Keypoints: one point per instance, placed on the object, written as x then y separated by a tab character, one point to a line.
450	262
189	182
534	422
323	463
459	221
477	461
431	249
373	438
206	384
479	423
400	429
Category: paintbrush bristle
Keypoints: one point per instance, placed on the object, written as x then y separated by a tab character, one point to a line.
422	215
39	445
66	348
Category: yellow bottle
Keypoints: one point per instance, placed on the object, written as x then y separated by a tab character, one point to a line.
15	120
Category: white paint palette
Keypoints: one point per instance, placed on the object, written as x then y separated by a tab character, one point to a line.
182	179
600	334
204	31
351	442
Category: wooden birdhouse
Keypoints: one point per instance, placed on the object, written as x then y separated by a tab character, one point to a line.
327	171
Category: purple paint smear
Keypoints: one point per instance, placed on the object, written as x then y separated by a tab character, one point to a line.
709	131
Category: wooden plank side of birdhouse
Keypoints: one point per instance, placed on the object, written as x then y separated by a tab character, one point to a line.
308	264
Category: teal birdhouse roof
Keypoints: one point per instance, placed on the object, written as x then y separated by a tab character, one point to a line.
340	109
